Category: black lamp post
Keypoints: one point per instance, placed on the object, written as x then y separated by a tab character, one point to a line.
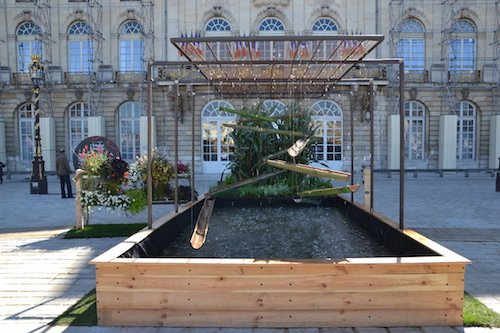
38	180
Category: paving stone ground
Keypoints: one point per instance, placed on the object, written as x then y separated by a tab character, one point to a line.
41	274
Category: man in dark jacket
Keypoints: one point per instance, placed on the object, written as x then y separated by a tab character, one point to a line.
63	171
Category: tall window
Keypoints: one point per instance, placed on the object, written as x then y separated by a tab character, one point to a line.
327	116
129	114
411	46
272	50
217	26
80	52
27	131
463	46
217	145
131	47
466	131
415	130
27	45
78	123
324	26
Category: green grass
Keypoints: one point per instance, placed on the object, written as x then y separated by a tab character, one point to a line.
84	313
477	314
105	230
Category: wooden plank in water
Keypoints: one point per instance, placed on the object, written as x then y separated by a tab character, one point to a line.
200	230
329	191
310	170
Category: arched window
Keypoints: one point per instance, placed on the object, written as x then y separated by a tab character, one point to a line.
27	131
129	131
411	46
272	50
324	26
217	145
217	26
463	46
27	45
131	47
78	123
466	130
327	116
274	107
415	130
80	52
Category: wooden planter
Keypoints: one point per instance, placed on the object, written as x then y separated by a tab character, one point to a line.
421	290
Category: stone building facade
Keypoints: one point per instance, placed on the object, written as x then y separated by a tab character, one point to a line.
95	55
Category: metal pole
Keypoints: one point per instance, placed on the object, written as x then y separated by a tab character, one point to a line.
192	143
372	143
38	180
401	145
149	180
176	149
352	150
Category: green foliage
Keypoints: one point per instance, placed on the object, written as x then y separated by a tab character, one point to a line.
477	314
138	200
253	147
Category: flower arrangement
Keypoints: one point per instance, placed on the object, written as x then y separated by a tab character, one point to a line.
106	182
91	160
182	168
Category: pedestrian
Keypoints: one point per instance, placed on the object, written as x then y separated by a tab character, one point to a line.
63	171
2	165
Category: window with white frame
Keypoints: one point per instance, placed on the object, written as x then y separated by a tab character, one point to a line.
270	50
78	123
28	45
327	117
80	48
414	130
466	130
217	26
131	47
324	26
217	145
411	46
129	115
27	131
462	50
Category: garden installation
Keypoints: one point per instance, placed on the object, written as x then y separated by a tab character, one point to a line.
162	275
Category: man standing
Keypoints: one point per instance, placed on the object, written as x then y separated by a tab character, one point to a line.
63	171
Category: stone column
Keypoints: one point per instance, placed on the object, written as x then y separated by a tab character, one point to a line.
448	142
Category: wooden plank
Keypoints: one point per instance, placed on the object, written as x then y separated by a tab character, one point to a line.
329	191
226	301
267	318
310	170
300	268
320	283
200	230
233	186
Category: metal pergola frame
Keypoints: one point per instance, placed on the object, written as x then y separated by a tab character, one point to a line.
232	80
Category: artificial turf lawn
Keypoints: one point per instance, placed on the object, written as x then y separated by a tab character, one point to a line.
105	230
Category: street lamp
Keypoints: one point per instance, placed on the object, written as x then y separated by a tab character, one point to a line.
38	181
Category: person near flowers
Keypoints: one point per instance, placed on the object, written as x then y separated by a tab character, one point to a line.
63	171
